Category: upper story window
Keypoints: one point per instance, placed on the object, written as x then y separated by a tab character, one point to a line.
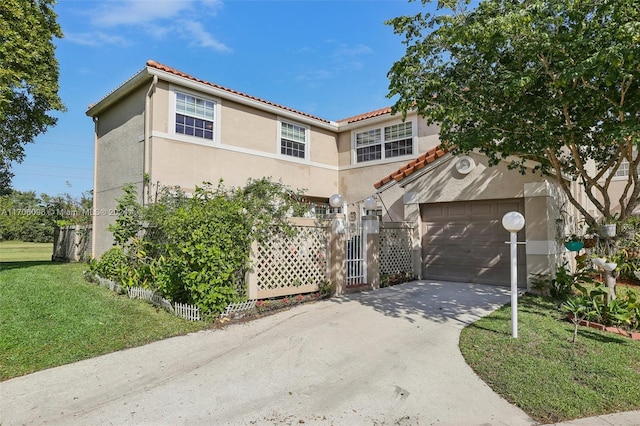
293	140
384	143
623	170
194	116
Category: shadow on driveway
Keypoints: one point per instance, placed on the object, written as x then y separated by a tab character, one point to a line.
437	301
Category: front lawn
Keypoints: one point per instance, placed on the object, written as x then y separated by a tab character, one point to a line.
545	374
49	316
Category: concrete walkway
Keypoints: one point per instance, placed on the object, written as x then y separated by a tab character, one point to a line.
384	357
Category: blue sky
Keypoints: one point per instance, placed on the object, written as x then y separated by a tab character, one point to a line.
327	58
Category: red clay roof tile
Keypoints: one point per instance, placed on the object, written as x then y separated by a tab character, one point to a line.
371	114
417	164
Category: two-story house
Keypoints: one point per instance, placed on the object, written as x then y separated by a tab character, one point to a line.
171	128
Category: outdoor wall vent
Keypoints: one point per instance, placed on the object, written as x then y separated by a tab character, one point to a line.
465	164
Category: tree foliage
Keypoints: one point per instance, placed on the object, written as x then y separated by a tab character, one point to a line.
553	82
28	77
26	217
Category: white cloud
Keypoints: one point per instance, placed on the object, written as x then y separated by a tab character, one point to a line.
343	59
315	75
96	39
156	18
137	12
199	37
357	50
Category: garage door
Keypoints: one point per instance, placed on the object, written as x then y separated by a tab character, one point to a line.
465	241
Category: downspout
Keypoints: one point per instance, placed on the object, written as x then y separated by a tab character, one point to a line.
95	181
148	115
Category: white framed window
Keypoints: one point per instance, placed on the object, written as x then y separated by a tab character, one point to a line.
384	142
293	139
623	170
195	116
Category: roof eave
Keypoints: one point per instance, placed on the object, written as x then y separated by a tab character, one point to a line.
371	121
122	90
418	174
224	94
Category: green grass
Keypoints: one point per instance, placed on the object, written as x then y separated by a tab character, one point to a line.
545	374
13	251
50	316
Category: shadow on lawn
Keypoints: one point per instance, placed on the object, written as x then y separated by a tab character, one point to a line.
437	301
5	266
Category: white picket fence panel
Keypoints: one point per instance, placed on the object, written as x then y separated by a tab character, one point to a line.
238	307
151	297
188	312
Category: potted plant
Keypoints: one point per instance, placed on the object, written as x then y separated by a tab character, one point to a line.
608	228
590	241
573	243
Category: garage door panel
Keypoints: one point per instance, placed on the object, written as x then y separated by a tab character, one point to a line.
508	206
481	209
458	210
435	211
465	241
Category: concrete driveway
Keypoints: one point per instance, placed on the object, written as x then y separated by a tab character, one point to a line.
384	357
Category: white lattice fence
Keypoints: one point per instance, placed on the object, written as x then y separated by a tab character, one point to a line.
290	265
395	250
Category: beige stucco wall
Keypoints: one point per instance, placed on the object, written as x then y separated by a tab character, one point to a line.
246	128
248	147
119	154
186	165
616	189
444	183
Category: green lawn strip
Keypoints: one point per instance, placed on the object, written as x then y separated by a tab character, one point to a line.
546	375
13	251
50	316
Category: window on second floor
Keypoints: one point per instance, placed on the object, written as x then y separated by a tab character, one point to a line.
623	170
384	143
293	140
194	116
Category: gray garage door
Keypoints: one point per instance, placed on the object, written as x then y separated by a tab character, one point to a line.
465	241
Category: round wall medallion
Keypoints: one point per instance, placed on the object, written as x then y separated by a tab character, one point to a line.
465	164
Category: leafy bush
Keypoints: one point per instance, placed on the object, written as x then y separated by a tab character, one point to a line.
207	241
196	249
114	265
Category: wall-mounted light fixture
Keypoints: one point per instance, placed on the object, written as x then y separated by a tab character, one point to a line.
465	164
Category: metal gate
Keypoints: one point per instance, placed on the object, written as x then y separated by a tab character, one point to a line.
356	273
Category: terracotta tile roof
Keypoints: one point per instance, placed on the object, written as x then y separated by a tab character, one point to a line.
371	114
413	166
153	64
